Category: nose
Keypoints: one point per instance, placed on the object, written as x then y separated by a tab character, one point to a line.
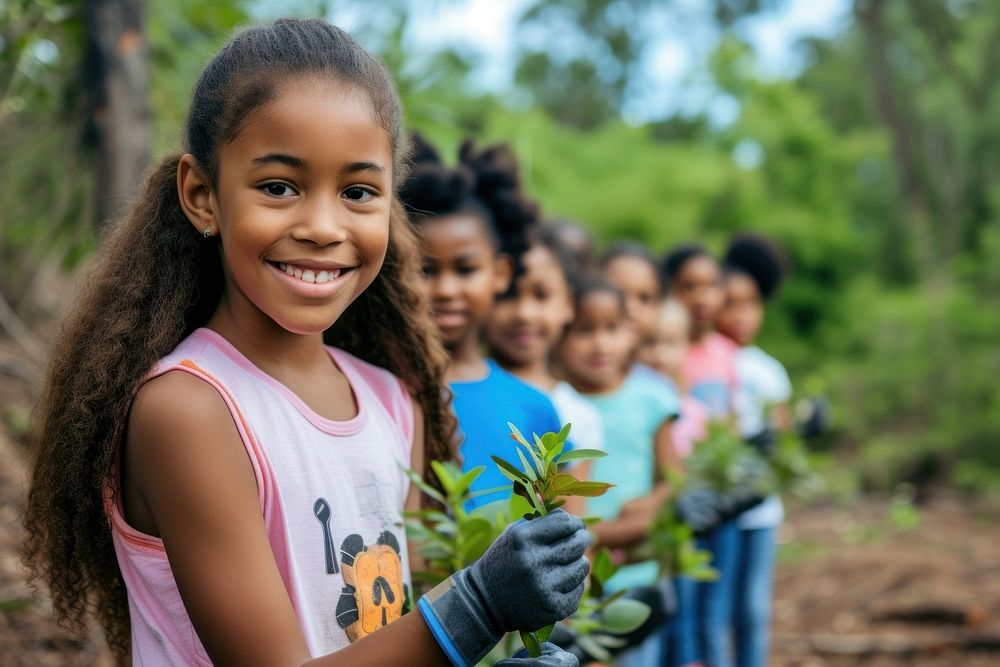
323	221
444	286
525	309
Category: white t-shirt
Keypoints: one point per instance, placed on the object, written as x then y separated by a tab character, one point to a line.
761	381
588	430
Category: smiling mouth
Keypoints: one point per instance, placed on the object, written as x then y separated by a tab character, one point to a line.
313	276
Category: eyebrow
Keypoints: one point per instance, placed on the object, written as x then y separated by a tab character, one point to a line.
362	166
280	158
299	163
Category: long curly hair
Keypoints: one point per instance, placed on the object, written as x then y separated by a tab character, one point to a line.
156	280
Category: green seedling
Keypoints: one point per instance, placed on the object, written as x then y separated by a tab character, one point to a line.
450	541
539	481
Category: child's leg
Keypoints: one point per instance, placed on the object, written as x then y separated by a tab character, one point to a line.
716	597
680	645
646	654
753	597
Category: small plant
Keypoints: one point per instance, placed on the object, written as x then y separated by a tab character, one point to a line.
540	482
450	541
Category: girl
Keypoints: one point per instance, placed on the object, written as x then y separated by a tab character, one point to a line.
474	223
595	355
753	272
524	327
212	481
695	279
665	353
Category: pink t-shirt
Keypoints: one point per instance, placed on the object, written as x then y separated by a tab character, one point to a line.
331	494
710	373
691	426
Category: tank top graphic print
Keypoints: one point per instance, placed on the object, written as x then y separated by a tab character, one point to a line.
331	494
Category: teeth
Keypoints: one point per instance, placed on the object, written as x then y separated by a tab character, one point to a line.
309	275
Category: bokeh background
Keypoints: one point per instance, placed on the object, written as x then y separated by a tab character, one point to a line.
864	135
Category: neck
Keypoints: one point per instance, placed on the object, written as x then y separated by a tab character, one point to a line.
699	335
467	360
270	347
535	373
596	388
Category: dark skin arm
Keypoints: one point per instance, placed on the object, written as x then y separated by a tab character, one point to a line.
187	479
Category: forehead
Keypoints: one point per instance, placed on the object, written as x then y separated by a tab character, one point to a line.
633	270
602	306
701	267
540	259
740	285
455	233
321	121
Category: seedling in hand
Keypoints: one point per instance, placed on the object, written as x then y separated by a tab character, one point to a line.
539	481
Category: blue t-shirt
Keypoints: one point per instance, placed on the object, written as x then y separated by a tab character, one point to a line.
483	408
632	415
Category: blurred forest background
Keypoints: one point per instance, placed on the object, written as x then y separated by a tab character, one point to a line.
875	161
877	165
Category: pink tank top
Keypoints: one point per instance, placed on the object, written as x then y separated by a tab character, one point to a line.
331	493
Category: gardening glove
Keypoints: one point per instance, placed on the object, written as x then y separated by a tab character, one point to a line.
552	656
700	508
764	442
532	576
736	500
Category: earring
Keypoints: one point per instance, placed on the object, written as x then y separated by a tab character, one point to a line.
208	232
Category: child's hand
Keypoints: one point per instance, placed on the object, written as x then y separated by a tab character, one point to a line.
532	576
552	656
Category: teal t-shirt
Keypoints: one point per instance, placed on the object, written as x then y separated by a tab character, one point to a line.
632	415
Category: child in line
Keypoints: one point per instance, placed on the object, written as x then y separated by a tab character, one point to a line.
474	221
753	272
209	478
595	355
525	326
702	630
632	268
665	353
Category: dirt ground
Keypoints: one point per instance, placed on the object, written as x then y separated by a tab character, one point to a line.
863	585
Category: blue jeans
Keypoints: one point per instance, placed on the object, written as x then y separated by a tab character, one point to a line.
646	654
715	598
754	586
701	628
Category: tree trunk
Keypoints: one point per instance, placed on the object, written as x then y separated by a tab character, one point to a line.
116	81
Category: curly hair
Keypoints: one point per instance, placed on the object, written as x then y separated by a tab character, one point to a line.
156	280
485	182
758	258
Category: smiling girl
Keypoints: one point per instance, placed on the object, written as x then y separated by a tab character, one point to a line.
211	480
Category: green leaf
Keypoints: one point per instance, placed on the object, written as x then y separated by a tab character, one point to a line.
531	643
624	615
603	567
563	434
581	455
587	489
517	435
543	635
528	468
444	476
465	481
509	471
588	644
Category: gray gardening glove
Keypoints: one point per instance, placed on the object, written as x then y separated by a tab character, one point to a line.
552	656
700	508
532	576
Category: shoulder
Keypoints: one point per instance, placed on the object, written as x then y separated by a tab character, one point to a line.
658	397
386	387
367	371
181	428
